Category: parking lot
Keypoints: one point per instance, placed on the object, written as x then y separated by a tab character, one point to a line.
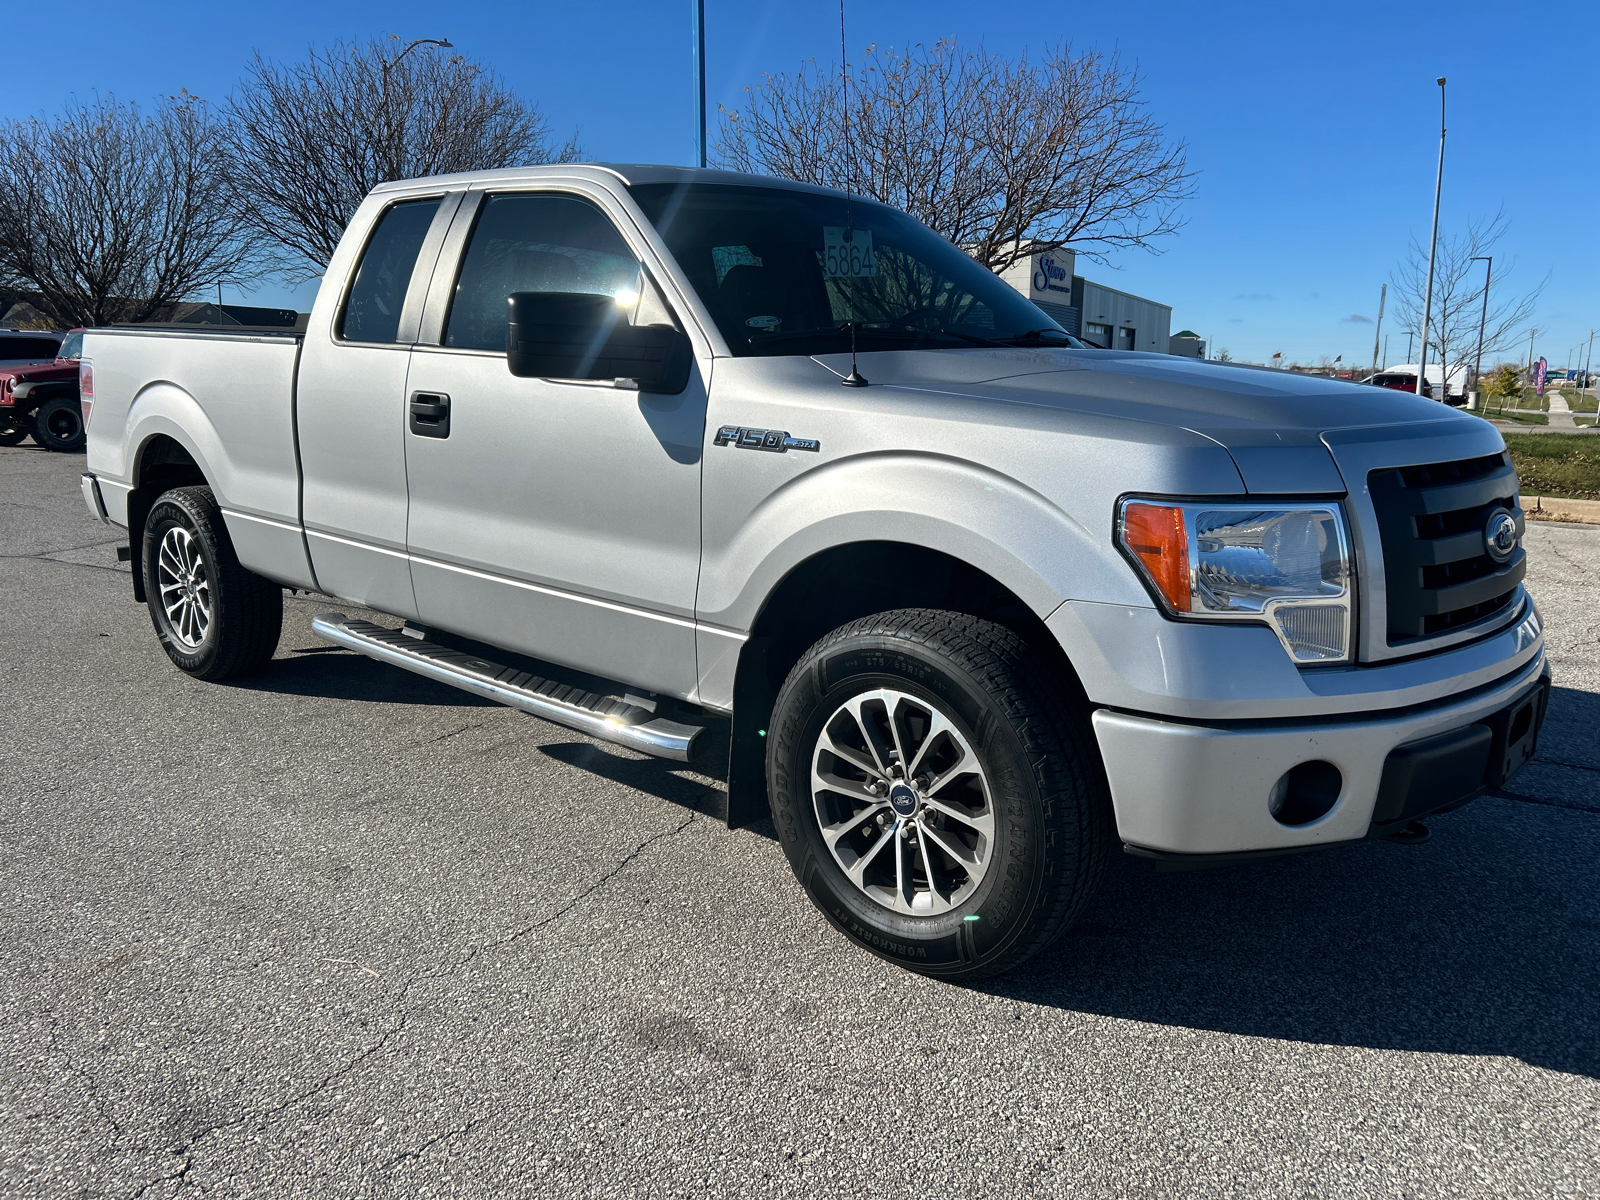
336	929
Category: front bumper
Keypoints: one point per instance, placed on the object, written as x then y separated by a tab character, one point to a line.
1203	789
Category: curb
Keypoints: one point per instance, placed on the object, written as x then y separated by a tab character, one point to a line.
1544	508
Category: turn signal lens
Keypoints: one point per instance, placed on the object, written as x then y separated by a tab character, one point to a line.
85	388
1154	534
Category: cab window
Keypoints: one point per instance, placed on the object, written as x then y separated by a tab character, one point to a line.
372	311
533	242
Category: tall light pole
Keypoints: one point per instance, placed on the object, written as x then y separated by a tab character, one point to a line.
1477	364
698	18
442	43
1433	248
1378	332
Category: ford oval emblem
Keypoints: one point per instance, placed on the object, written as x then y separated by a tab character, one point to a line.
1500	535
903	799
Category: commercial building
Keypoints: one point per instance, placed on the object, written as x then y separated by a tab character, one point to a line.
1107	317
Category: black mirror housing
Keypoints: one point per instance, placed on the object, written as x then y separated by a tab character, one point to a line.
577	335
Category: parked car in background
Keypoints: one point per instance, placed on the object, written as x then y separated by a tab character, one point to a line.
39	394
19	347
1400	381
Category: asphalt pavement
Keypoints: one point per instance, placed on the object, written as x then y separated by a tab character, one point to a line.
338	930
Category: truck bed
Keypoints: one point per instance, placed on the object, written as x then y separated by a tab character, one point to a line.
226	395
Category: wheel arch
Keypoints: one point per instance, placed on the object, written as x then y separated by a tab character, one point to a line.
839	585
161	462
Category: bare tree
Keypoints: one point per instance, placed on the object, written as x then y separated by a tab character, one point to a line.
111	214
1458	296
1003	158
308	142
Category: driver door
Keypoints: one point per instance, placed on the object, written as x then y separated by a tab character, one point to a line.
558	518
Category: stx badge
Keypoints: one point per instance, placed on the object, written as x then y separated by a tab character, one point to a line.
775	441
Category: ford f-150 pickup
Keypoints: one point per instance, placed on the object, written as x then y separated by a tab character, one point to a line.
689	459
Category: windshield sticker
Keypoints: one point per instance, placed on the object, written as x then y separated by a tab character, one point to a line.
847	254
764	322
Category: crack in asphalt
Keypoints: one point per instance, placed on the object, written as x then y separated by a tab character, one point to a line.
188	1148
87	1076
433	1141
1523	797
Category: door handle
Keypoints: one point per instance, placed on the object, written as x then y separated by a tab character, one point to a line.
430	414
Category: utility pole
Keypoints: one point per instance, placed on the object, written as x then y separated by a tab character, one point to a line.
1477	365
1433	249
698	17
1376	333
1385	352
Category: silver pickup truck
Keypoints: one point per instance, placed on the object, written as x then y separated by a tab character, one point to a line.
701	462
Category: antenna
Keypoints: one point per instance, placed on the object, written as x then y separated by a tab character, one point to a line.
854	379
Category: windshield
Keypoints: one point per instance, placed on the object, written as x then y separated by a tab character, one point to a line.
789	272
72	347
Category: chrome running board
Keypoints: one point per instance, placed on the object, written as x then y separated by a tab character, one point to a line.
608	718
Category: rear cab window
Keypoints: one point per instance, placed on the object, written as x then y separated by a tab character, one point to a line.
378	294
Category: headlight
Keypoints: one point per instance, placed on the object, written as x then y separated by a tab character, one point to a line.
1287	565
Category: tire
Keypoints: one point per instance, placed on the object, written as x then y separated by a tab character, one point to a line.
58	425
1017	803
14	430
215	619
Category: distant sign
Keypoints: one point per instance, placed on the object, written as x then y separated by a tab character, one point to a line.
1539	374
1052	272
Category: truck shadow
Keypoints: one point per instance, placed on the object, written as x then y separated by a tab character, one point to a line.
687	786
1484	941
340	675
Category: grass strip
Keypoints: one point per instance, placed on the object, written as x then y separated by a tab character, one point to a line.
1556	466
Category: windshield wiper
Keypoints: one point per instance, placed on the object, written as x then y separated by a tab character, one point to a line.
1035	336
902	334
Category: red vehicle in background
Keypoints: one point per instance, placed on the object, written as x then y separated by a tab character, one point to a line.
1400	381
40	398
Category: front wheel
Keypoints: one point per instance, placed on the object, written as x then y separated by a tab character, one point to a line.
58	425
215	619
938	791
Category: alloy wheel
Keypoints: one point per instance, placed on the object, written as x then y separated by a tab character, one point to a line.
903	802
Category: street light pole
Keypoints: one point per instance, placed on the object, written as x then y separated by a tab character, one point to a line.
1378	332
698	17
1433	248
1477	364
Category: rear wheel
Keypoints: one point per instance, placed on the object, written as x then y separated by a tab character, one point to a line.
215	619
937	792
58	425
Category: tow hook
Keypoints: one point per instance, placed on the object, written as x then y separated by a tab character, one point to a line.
1413	833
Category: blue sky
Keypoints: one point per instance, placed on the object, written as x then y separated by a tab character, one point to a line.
1314	126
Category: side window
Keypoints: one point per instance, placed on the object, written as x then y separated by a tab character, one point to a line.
533	242
372	313
72	347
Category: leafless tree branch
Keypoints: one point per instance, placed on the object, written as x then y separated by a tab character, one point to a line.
308	142
1458	295
1003	158
111	214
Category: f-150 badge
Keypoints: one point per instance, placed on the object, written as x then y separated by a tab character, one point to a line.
775	441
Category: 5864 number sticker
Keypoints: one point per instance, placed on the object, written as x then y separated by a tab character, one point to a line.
847	253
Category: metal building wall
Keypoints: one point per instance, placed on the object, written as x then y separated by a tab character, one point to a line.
1098	305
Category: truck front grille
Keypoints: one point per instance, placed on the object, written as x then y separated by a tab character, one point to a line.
1439	575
